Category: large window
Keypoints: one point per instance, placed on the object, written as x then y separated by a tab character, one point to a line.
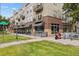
19	20
27	12
23	17
55	28
39	28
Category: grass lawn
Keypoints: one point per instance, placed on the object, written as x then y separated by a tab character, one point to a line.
43	48
10	37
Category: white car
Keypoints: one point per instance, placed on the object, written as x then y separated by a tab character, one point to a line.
70	35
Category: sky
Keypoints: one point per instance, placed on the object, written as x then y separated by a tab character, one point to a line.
6	9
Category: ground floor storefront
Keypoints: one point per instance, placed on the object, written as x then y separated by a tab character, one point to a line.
26	30
22	29
47	26
67	27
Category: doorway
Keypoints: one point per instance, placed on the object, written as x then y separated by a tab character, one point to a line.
54	28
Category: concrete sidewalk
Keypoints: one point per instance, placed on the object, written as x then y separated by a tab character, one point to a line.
35	39
3	45
65	41
62	41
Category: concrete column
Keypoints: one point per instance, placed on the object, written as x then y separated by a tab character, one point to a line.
33	30
61	28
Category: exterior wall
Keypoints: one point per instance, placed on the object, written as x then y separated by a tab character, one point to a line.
28	13
48	13
33	29
50	10
50	20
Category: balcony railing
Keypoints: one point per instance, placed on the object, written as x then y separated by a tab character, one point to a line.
38	8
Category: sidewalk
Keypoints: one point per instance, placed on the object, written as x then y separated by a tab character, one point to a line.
35	39
3	45
65	41
62	41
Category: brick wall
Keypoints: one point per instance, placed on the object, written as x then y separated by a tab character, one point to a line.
51	20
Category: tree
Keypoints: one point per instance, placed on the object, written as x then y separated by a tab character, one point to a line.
72	10
0	17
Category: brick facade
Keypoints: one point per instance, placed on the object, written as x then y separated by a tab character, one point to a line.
47	20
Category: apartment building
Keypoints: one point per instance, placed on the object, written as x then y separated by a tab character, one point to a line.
68	26
38	18
23	19
48	18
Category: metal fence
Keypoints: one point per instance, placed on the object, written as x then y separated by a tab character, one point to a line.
41	34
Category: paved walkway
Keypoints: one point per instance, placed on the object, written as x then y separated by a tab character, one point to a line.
35	39
3	45
66	41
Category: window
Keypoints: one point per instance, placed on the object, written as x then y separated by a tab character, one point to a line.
27	12
30	11
54	4
54	28
23	25
39	16
34	19
23	17
39	28
55	14
19	20
17	23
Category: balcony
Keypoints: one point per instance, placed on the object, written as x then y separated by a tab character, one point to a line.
38	8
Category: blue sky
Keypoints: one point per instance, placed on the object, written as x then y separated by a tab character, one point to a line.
6	9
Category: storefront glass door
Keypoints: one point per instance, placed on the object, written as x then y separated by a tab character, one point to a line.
55	28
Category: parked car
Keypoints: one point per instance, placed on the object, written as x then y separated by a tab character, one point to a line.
70	35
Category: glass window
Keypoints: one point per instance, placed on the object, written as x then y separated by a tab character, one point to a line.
27	12
19	20
23	17
55	4
55	28
39	28
30	10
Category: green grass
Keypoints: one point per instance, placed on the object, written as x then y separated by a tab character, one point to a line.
43	48
10	37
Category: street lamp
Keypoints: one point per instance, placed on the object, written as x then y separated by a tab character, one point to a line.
16	31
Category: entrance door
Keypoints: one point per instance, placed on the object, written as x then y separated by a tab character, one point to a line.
55	28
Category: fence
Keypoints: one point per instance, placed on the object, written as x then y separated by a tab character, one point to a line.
41	34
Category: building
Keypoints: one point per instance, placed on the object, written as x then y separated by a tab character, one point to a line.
23	19
68	25
12	24
39	18
48	18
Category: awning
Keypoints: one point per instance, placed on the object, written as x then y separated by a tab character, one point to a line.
39	24
28	24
